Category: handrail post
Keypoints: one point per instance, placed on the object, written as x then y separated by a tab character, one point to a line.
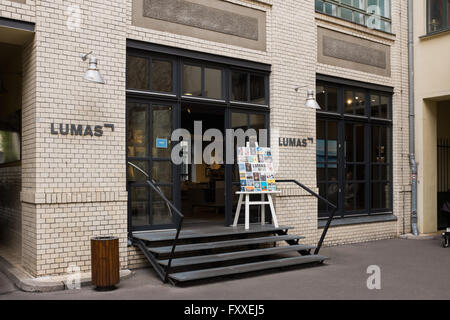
330	218
180	222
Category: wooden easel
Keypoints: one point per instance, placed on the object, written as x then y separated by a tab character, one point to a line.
248	203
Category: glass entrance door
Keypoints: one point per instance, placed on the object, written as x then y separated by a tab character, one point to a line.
149	128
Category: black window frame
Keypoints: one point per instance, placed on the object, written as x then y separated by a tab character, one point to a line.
368	122
179	57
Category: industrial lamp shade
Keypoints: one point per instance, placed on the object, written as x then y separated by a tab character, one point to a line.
311	101
93	74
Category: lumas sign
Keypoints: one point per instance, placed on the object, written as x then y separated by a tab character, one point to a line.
79	129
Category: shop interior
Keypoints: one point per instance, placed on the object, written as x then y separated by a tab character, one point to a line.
203	185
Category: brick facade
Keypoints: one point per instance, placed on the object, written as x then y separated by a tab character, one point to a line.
74	188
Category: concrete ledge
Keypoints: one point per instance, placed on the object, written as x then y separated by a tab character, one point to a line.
346	221
423	236
25	282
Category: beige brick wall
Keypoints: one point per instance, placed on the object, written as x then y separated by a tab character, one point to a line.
74	187
18	9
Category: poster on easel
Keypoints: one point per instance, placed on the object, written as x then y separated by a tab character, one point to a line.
256	169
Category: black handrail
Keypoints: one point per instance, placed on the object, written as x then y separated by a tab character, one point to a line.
330	218
180	222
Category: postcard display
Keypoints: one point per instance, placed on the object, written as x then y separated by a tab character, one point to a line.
257	177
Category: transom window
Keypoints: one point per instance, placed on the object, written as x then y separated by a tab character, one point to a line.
196	79
375	14
354	160
438	15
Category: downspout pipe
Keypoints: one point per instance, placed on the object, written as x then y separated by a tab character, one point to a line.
412	156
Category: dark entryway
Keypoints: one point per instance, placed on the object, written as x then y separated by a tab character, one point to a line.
203	184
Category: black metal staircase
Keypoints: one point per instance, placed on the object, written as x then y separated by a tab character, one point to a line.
230	251
183	256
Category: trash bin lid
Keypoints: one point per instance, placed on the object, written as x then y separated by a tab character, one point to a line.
105	238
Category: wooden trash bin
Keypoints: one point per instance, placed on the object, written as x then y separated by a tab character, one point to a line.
105	267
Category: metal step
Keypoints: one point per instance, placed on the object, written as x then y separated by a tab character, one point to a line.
243	268
222	244
221	232
234	255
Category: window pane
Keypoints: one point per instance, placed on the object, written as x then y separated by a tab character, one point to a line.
239	86
360	141
375	144
385	173
192	81
139	206
320	96
375	105
384	107
257	89
376	196
161	212
323	193
162	75
358	17
331	9
137	130
138	73
332	141
375	172
348	101
359	103
257	122
332	174
321	172
319	5
239	120
349	143
347	2
213	83
385	195
162	171
360	4
134	175
346	14
162	129
332	99
436	15
384	147
332	193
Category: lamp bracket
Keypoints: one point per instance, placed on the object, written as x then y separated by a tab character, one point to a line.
85	55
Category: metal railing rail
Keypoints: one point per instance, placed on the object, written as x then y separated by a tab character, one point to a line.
330	218
170	204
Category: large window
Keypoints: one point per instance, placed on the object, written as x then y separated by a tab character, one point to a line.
354	160
162	88
375	14
438	15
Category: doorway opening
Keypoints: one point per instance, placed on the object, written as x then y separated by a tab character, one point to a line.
203	184
443	165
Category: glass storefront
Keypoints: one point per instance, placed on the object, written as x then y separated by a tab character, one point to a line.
166	92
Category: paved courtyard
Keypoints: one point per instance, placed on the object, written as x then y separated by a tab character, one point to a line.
410	269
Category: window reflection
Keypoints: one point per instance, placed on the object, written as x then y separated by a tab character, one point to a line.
138	73
162	75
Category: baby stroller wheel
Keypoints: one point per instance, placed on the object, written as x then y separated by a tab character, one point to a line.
445	241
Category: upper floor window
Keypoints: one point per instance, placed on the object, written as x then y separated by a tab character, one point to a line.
375	14
438	15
